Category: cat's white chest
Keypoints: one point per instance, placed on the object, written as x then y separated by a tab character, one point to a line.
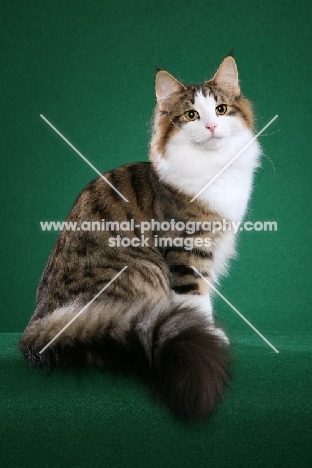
191	169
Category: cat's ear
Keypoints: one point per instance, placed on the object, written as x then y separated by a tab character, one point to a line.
226	76
168	90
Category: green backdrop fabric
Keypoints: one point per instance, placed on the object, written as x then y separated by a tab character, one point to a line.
89	68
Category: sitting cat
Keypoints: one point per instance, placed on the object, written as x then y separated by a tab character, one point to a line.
156	318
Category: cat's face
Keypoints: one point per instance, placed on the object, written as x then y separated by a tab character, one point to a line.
208	120
198	133
205	115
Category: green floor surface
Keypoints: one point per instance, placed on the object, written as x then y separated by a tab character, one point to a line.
88	67
80	419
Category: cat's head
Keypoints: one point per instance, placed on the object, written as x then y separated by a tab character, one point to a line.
204	115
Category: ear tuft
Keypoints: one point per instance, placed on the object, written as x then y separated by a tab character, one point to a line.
226	76
167	90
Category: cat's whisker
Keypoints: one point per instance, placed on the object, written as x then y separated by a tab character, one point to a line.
266	156
272	133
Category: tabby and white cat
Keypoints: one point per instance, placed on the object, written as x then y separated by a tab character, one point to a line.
156	318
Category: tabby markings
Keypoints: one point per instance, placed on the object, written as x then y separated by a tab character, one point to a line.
83	309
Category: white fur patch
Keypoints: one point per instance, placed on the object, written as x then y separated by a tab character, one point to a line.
203	305
224	249
194	156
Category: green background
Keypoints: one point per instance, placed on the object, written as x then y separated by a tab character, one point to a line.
88	67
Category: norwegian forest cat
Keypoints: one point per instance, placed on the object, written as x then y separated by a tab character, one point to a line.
155	319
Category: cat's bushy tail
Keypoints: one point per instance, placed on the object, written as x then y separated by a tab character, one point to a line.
173	347
189	363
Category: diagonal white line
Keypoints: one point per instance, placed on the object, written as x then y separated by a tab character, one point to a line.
233	159
83	157
235	310
83	309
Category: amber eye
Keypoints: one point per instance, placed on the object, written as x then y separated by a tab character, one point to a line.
191	115
221	109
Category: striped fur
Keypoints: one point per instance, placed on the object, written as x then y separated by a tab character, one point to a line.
156	318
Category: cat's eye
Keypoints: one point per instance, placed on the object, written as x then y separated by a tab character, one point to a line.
191	115
221	109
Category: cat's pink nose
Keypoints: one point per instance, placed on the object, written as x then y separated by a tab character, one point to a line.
211	127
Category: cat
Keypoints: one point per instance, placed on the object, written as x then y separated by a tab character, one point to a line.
156	318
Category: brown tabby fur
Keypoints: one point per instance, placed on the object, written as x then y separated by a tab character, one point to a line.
134	325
